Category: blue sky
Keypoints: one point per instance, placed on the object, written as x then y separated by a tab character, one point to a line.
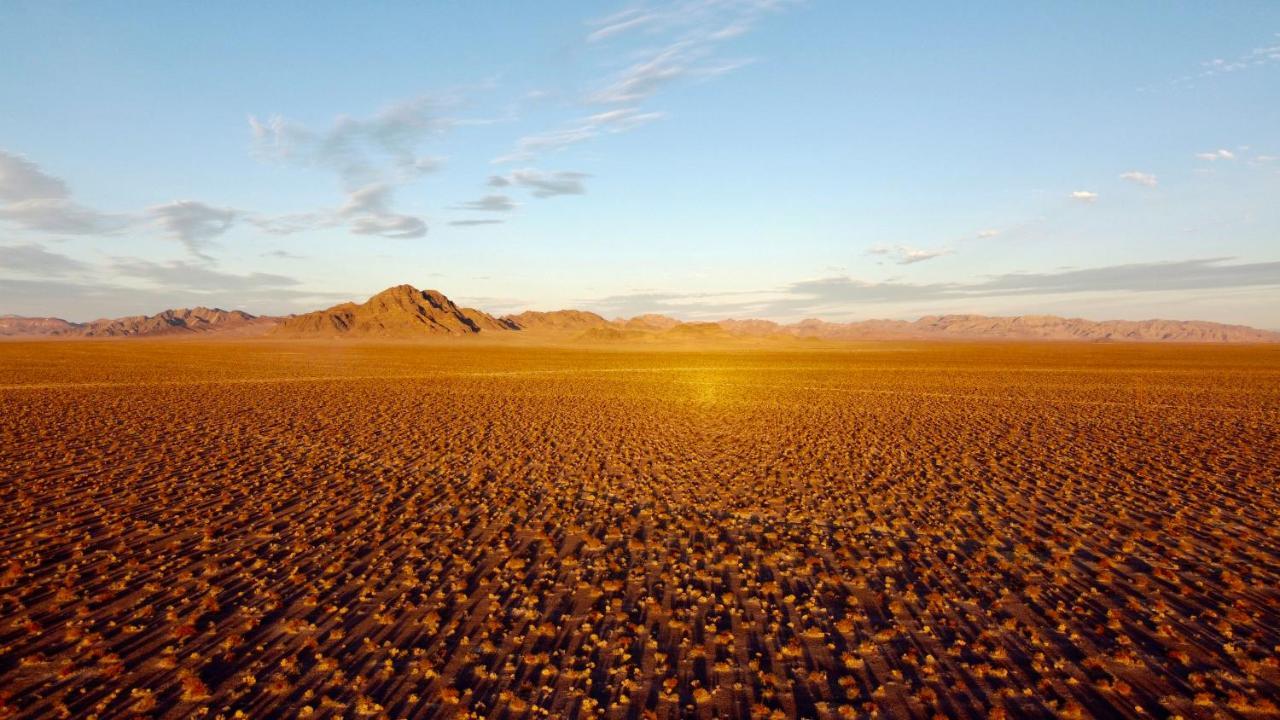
703	158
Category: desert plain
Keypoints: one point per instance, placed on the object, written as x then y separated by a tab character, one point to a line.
268	528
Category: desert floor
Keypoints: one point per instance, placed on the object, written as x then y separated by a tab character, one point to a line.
269	529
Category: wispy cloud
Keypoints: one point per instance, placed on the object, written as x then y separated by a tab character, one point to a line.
473	223
1267	54
143	289
380	148
843	294
62	217
904	255
366	211
370	155
543	185
489	203
1140	178
21	179
41	202
1084	196
681	40
32	259
35	200
1214	155
691	33
190	276
581	130
194	224
389	226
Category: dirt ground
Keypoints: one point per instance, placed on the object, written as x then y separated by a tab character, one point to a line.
291	529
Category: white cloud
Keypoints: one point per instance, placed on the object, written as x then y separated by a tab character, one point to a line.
987	234
904	255
1085	196
910	256
1140	178
1216	155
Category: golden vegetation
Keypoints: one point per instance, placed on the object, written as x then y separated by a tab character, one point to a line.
297	529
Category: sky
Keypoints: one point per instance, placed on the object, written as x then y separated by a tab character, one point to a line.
706	159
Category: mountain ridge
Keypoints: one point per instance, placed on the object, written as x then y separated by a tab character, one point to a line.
173	322
405	312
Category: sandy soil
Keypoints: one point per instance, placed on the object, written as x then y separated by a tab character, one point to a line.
274	529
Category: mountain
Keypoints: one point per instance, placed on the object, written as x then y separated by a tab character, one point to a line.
399	312
1049	327
16	326
557	321
649	322
180	321
405	312
1021	327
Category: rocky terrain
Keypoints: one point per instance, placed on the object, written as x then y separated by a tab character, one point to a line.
250	529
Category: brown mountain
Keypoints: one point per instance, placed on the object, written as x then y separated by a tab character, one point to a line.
649	322
1022	327
1049	327
17	326
557	321
399	312
180	321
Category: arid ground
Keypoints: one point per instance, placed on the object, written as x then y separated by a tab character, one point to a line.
283	529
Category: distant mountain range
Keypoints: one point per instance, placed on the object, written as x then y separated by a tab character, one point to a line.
405	312
183	321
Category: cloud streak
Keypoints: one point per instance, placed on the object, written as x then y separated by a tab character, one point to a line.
1215	155
1140	178
32	259
21	179
489	203
904	255
843	294
543	185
